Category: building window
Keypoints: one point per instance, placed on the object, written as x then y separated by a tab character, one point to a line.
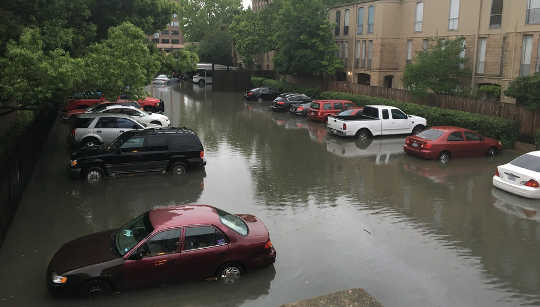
337	50
175	41
156	40
409	51
481	56
369	54
425	44
165	32
453	21
537	68
462	54
357	54
371	19
174	32
496	14
346	20
346	53
360	21
165	41
526	52
175	24
363	54
338	22
419	16
533	12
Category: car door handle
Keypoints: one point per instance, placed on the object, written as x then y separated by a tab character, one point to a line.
98	131
160	262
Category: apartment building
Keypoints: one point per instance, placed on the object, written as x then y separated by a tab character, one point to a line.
170	38
377	38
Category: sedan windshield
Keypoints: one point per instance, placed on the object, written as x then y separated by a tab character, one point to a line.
430	134
132	233
233	222
527	161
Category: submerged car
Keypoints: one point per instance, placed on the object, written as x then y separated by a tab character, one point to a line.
261	93
139	115
520	176
301	110
173	150
447	142
163	245
289	102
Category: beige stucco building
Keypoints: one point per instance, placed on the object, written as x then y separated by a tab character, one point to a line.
171	38
376	38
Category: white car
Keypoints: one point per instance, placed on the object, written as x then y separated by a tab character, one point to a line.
138	115
161	80
520	176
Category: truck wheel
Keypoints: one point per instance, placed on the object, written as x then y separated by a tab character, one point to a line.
444	157
178	169
417	129
363	135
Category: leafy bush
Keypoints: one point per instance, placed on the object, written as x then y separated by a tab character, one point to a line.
526	90
506	131
257	81
490	91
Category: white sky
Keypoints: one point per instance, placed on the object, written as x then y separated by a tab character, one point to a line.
246	3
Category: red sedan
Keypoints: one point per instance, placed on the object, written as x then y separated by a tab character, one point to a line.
446	142
162	246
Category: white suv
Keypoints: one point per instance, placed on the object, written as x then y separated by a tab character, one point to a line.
138	115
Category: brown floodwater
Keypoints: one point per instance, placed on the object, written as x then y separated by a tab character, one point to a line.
341	215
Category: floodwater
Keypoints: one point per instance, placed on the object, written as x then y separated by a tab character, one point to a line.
341	215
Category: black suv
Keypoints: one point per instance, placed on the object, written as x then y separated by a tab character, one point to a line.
289	101
170	150
261	92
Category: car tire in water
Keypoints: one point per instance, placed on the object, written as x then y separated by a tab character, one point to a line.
444	157
178	169
363	135
229	273
94	175
201	82
417	129
95	288
155	122
492	152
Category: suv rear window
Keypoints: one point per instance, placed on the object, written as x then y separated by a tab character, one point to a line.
430	134
82	122
184	142
527	161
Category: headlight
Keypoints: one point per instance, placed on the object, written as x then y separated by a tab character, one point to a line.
73	163
57	279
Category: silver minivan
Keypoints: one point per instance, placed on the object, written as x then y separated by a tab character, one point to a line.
96	129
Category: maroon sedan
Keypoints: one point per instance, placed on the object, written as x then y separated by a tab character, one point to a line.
445	142
162	246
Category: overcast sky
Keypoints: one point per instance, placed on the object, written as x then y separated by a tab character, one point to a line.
246	3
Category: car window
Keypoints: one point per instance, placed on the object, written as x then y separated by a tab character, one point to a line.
327	106
385	114
527	161
470	136
371	112
165	242
156	143
338	105
126	123
430	134
233	222
315	106
132	233
455	137
82	122
133	142
348	105
397	114
107	122
203	236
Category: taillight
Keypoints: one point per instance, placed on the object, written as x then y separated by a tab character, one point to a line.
280	102
344	126
426	146
249	93
202	154
497	172
532	183
300	109
268	244
73	132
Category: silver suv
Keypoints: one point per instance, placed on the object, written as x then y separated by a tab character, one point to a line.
96	129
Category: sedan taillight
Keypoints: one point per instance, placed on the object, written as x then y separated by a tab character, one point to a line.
497	172
344	126
532	183
268	245
426	146
202	154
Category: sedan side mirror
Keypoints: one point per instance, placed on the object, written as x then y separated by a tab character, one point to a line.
137	255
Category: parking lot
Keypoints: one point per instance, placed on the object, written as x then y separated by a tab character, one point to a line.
341	214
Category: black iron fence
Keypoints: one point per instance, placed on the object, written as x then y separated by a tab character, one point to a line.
17	165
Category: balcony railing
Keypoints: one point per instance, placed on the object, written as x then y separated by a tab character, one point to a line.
346	30
453	23
418	26
369	63
360	29
495	21
533	16
363	63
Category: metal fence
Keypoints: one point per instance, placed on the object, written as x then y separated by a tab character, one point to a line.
17	165
528	120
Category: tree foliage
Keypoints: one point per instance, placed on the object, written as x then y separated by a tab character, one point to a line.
200	17
180	61
440	69
216	48
526	91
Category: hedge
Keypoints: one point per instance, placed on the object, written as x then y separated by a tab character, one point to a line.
284	86
507	131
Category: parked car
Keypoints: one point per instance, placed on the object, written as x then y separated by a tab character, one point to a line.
289	102
321	109
377	120
96	129
139	115
84	100
149	104
172	150
520	176
100	106
163	245
161	80
447	142
302	109
262	93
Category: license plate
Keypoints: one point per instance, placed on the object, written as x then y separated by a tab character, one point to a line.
414	144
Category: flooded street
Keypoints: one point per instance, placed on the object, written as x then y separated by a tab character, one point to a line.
340	214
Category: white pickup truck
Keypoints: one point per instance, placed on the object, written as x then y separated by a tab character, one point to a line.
375	120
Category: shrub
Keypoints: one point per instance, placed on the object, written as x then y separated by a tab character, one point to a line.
506	131
489	91
257	81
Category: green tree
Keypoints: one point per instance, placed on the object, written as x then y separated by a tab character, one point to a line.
526	91
123	63
216	48
200	17
180	61
304	40
440	69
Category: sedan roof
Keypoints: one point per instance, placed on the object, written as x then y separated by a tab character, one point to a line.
177	216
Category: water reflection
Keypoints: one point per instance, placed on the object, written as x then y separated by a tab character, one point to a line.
520	207
384	149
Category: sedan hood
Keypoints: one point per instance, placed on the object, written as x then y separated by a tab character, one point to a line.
84	251
88	151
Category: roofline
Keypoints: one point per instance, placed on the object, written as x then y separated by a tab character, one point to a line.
352	3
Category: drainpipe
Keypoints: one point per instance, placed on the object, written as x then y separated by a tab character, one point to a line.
476	37
354	43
